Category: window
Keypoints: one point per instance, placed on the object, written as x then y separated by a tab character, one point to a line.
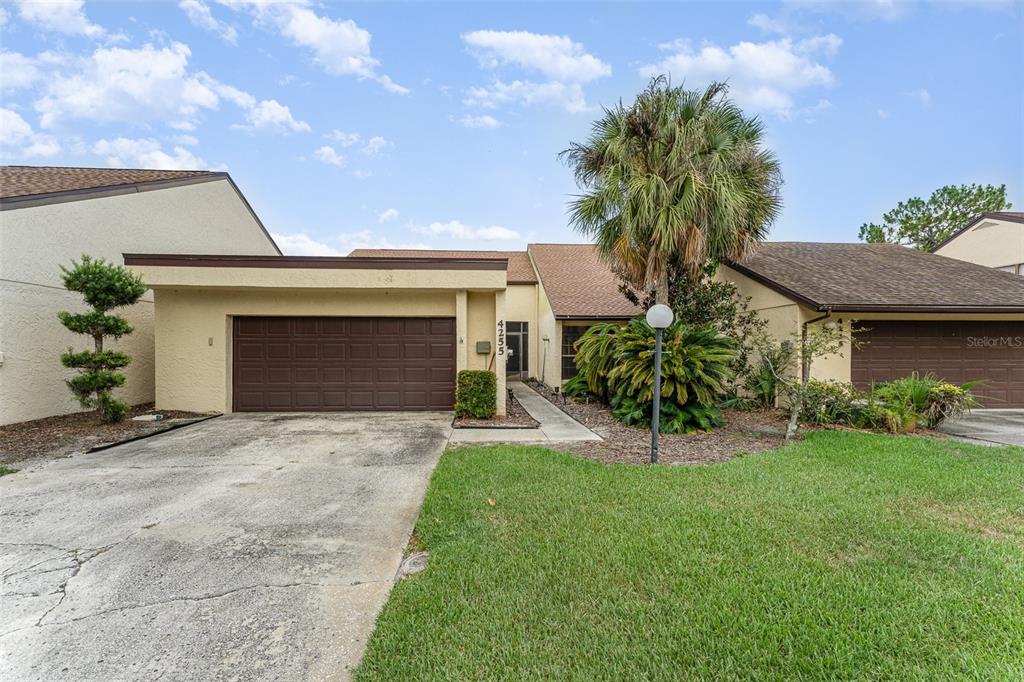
570	335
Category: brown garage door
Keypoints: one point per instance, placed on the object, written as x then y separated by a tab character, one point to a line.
320	364
992	352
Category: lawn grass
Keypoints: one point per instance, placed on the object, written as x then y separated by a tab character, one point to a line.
846	556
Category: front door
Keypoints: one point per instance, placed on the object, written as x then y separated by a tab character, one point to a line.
517	340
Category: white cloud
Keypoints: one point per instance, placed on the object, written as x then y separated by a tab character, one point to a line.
17	71
367	239
271	115
763	77
147	86
126	85
18	139
146	153
13	128
387	215
484	121
200	15
301	244
327	154
375	145
882	114
569	96
768	24
3	17
459	230
63	16
565	63
556	57
923	97
341	48
343	138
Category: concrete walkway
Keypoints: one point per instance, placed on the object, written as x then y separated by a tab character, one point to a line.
555	425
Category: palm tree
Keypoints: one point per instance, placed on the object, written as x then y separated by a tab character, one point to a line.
678	178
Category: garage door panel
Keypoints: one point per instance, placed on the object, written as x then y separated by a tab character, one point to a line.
387	351
312	364
958	352
360	351
276	326
360	327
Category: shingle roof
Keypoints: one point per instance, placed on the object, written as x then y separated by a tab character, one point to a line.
865	277
27	181
520	270
578	283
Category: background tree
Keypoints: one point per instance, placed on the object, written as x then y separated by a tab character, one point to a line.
104	286
676	179
926	224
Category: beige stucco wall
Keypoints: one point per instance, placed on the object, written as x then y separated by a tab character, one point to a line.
521	306
35	241
549	350
993	243
193	331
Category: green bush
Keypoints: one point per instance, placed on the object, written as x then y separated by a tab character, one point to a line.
829	402
928	397
761	382
616	364
879	416
476	394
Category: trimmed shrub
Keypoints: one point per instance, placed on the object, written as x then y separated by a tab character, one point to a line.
828	402
104	287
929	398
476	394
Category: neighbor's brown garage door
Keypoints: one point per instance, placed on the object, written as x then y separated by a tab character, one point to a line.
992	352
318	364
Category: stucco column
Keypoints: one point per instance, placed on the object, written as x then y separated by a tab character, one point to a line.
501	350
461	331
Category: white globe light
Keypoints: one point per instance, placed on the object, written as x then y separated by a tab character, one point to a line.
659	316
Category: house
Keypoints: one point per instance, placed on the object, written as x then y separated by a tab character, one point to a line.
908	310
49	216
389	329
995	240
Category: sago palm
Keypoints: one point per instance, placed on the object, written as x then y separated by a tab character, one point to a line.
677	178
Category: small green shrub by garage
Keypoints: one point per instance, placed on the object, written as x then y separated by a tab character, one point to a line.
476	394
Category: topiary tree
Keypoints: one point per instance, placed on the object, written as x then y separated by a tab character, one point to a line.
104	286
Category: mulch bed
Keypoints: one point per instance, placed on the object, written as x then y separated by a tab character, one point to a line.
516	417
744	433
67	434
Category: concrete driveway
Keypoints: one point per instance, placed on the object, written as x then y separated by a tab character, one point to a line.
244	547
997	427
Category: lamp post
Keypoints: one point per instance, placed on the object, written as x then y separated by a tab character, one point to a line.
659	316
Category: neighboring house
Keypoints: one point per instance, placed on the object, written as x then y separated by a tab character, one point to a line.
912	312
388	330
49	216
995	240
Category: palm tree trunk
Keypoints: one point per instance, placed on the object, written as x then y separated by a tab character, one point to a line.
661	288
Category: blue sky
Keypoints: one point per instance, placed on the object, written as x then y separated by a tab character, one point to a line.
439	125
